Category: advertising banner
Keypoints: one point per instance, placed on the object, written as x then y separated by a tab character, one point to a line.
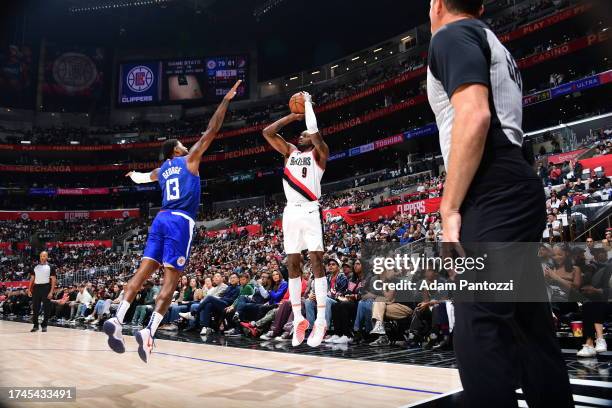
74	77
423	206
69	215
80	244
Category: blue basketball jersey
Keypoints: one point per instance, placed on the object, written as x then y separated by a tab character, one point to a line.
180	188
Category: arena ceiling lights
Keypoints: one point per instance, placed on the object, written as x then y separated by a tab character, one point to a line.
110	5
266	7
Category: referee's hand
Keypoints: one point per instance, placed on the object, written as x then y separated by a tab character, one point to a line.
29	293
451	226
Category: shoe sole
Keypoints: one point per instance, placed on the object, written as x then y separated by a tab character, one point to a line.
141	351
118	346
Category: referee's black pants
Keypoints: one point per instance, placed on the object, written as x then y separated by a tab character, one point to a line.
39	294
501	346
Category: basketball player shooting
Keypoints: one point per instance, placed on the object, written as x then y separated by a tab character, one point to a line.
170	236
302	217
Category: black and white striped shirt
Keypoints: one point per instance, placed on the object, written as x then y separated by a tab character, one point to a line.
42	274
468	52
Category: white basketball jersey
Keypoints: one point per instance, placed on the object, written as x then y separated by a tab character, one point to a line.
302	177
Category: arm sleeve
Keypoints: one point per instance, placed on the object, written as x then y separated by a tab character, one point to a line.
141	178
460	55
311	119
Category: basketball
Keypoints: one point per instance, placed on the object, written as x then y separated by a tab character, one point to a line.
296	103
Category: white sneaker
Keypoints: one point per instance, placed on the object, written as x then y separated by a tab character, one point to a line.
95	322
113	329
600	345
283	337
343	340
145	343
331	339
317	334
587	351
187	315
204	331
89	318
267	336
379	328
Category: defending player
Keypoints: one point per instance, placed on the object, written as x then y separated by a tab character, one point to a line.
302	217
172	230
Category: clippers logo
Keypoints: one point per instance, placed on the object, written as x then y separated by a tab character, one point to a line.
140	78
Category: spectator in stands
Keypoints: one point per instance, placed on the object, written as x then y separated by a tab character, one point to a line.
81	303
596	289
247	290
552	233
345	309
151	292
184	299
215	306
218	289
60	304
555	175
564	280
17	303
116	297
102	305
390	307
282	326
337	284
431	314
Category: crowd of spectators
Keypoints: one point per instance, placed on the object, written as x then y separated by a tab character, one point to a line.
62	230
520	14
323	94
236	283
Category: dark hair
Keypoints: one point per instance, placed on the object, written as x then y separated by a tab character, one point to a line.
168	148
464	6
245	275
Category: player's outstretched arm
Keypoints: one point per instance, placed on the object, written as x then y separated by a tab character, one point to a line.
214	125
276	140
311	127
140	178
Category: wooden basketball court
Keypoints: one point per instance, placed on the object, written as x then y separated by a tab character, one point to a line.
198	375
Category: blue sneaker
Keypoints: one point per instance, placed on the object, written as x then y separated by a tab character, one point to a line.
145	343
113	330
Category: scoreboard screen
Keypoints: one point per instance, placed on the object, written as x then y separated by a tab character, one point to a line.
223	72
187	80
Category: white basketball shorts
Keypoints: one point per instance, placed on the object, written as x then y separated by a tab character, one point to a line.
302	227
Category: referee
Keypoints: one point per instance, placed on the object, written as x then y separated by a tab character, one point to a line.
492	195
41	287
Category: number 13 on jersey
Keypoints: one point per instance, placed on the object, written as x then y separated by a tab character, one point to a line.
172	189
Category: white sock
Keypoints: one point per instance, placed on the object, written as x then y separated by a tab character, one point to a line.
295	297
156	319
320	287
122	310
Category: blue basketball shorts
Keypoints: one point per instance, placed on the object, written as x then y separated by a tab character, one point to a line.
170	238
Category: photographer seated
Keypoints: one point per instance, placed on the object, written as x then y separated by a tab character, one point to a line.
390	308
